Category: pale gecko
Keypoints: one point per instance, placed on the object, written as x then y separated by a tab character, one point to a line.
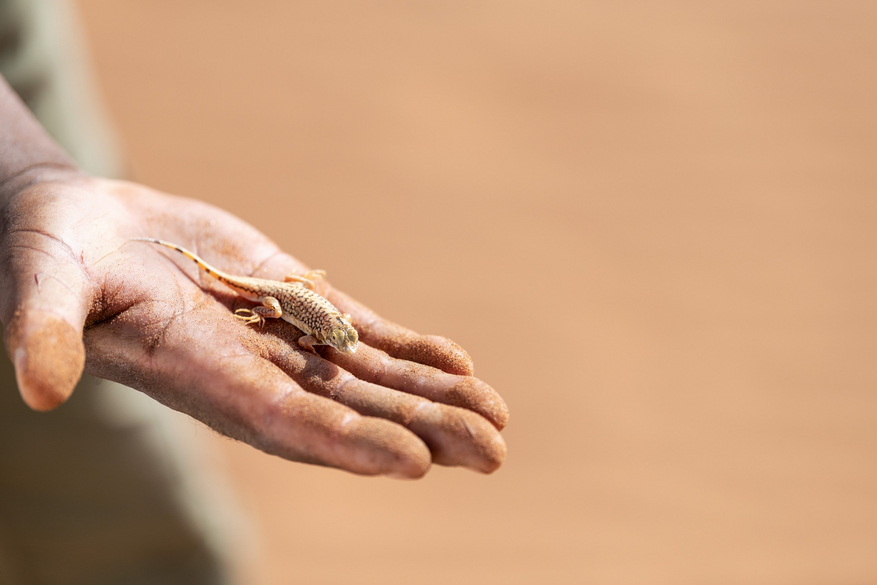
293	300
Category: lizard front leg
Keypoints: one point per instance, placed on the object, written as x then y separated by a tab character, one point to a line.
306	279
307	342
270	309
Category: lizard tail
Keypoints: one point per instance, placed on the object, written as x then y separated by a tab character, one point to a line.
188	254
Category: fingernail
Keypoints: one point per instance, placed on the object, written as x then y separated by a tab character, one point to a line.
19	359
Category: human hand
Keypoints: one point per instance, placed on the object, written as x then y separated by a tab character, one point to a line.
77	292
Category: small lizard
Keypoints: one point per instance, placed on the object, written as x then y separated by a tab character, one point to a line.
291	300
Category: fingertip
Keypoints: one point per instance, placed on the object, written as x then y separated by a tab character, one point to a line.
460	437
430	350
473	394
391	449
412	468
49	357
446	355
489	451
494	455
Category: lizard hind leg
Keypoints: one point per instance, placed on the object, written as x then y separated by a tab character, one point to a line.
270	309
306	279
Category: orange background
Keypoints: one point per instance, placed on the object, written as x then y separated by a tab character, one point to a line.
651	224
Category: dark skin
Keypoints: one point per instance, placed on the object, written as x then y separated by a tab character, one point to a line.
77	294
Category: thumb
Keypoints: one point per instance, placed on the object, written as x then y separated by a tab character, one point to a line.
43	305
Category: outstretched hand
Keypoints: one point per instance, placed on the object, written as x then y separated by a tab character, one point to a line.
76	292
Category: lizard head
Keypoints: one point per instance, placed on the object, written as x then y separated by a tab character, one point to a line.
343	336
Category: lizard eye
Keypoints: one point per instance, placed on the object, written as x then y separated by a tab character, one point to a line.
344	339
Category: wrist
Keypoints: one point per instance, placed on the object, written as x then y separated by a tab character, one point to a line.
28	155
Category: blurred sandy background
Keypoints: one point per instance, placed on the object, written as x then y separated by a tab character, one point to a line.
651	224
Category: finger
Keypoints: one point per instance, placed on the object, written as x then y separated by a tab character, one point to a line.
45	297
455	436
206	365
431	350
373	365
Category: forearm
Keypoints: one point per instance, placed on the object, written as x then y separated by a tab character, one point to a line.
27	152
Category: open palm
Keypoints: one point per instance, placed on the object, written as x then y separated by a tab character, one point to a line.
77	292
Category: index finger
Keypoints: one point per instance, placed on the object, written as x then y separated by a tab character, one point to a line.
398	341
402	343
